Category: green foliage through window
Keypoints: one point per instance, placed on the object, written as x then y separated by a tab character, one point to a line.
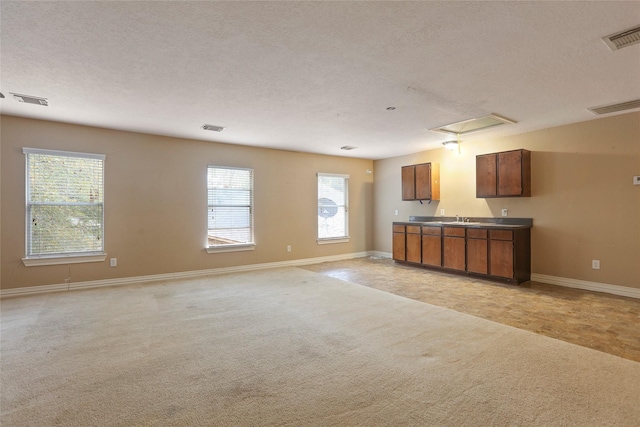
65	203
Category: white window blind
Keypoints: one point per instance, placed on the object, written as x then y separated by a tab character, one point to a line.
230	206
65	203
333	206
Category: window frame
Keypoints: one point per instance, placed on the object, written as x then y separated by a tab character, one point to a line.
233	247
35	259
337	239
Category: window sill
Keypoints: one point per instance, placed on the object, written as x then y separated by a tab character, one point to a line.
63	259
231	248
332	241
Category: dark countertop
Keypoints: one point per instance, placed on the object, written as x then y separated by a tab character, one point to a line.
440	221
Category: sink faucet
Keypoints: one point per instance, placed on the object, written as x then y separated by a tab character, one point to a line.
457	218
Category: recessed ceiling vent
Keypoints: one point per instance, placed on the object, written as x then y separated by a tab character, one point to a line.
348	147
614	108
28	99
213	128
623	38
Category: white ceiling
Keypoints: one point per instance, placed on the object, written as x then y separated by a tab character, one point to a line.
315	76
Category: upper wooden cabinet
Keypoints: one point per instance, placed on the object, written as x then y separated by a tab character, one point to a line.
421	182
504	174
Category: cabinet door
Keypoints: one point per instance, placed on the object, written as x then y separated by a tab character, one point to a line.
486	175
432	250
399	253
408	183
414	253
510	173
501	254
423	181
477	261
453	252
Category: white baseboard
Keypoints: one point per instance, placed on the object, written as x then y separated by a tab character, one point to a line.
380	254
542	278
31	290
589	286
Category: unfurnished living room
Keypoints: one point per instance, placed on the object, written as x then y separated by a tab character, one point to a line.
353	213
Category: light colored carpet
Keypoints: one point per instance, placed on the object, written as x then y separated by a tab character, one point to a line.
294	348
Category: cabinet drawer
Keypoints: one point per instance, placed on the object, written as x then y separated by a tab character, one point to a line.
454	231
477	233
435	231
501	234
398	228
413	229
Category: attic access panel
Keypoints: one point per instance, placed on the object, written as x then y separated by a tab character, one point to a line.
473	125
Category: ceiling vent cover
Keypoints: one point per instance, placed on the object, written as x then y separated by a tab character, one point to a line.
213	128
614	108
28	99
348	147
623	38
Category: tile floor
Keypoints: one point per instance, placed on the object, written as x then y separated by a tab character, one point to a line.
600	321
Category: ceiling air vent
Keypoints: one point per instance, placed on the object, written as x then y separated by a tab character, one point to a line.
213	128
614	108
623	38
348	147
28	99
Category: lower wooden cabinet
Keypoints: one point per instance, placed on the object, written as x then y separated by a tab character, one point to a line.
501	249
477	251
453	248
501	258
414	244
492	252
399	243
432	246
407	243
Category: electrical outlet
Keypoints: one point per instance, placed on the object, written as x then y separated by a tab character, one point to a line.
505	212
441	212
396	212
113	262
595	264
288	248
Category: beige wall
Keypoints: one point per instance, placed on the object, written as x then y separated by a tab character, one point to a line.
584	205
155	202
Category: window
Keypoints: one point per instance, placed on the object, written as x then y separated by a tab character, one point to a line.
230	209
333	208
64	206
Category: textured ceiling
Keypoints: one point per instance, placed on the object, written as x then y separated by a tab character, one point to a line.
315	76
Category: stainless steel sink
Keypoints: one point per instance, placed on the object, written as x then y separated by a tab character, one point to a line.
461	223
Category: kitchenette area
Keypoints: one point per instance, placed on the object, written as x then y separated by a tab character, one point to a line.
489	247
